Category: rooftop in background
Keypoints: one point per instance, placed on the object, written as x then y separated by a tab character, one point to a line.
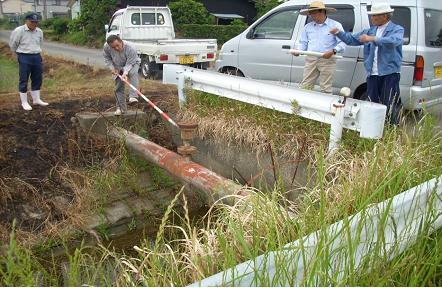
227	16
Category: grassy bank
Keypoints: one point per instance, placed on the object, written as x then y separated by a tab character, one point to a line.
53	173
348	183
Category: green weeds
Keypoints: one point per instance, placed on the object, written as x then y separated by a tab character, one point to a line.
8	75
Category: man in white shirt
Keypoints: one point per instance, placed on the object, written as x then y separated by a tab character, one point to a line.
26	42
316	37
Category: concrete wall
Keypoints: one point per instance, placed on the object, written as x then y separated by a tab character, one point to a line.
75	9
54	8
222	158
15	7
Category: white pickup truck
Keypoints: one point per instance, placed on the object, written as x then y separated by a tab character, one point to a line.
150	30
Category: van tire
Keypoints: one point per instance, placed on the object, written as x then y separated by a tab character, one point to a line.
148	69
363	96
233	71
361	92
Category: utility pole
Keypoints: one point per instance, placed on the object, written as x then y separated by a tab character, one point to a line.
1	8
45	12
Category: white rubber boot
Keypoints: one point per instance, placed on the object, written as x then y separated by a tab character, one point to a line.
36	98
24	101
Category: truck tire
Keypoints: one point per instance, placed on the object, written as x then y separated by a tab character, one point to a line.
148	69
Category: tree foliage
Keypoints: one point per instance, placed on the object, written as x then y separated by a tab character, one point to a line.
189	12
263	6
221	33
94	14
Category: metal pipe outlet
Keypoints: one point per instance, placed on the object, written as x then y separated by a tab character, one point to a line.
214	185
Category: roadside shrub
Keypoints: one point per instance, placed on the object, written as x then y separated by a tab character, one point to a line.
221	32
94	14
75	25
263	6
76	38
189	12
47	24
60	25
8	23
238	22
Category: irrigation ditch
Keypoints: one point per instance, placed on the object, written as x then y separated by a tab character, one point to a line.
82	206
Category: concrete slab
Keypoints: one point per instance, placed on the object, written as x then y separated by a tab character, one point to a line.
98	123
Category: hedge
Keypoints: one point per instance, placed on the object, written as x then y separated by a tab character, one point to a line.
220	32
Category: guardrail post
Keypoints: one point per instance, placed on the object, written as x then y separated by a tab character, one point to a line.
337	125
180	86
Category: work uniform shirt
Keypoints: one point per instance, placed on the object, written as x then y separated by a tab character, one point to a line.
317	37
26	41
124	60
379	33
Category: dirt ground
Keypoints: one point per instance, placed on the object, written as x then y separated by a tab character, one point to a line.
33	144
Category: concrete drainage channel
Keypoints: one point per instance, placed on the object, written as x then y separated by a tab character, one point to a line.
208	185
205	185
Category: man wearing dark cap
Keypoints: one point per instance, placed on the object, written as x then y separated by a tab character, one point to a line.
26	42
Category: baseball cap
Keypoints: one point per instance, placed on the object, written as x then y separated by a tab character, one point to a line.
32	17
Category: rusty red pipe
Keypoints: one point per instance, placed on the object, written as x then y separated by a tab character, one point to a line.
214	185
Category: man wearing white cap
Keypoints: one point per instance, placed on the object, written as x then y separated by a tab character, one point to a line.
382	57
316	37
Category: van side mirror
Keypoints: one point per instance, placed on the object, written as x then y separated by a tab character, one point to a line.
106	27
249	34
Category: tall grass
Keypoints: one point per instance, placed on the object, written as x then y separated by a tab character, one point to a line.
343	186
263	222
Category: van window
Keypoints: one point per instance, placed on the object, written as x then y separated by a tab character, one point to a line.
344	15
401	16
433	28
279	25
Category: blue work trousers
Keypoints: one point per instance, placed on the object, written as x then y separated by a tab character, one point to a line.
30	65
385	90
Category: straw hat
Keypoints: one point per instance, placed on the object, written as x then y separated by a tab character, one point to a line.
317	5
380	8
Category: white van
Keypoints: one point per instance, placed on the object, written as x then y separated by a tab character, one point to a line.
260	52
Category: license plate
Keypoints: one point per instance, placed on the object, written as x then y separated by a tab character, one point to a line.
186	60
438	72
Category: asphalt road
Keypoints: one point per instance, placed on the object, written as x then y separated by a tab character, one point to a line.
93	57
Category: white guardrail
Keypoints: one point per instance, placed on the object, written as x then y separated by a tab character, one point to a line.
365	117
390	227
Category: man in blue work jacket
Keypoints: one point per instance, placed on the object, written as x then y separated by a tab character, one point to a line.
26	42
382	57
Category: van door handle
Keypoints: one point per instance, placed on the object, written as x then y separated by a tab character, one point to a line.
285	46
